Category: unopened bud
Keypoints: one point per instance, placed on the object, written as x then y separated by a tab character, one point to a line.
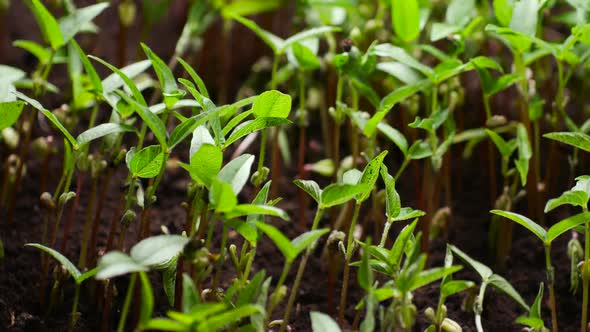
46	200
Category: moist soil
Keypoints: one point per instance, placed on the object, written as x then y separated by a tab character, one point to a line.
20	272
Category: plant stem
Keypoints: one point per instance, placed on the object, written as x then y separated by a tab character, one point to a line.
127	303
551	284
300	271
385	233
274	299
88	223
401	169
75	308
301	156
348	257
221	257
585	275
249	263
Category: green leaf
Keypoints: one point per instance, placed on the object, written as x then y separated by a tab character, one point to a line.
578	140
153	121
222	197
102	130
406	19
147	162
455	286
365	274
503	11
503	146
425	277
392	199
272	104
459	12
311	188
49	116
419	150
303	35
115	81
257	209
217	322
205	164
67	264
164	324
190	295
397	250
170	90
201	136
147	299
157	251
370	176
89	68
47	23
237	172
305	240
73	23
503	82
567	224
336	194
116	263
504	286
10	112
536	307
169	280
408	213
251	126
41	53
193	74
109	83
570	197
525	222
400	55
524	17
395	136
305	58
280	240
321	322
274	42
483	271
249	7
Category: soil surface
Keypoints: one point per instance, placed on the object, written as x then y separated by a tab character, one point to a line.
20	273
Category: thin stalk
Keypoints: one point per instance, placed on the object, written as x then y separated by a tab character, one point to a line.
88	223
73	210
75	308
551	284
337	128
96	221
300	271
386	228
401	169
353	132
221	257
145	227
274	299
249	263
348	257
585	276
301	159
127	303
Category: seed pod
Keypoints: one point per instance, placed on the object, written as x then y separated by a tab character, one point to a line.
66	197
46	200
127	218
574	253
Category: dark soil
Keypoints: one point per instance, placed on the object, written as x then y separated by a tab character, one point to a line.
20	308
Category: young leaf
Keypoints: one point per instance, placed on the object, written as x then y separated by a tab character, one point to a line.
73	23
321	322
370	176
566	225
501	284
67	264
397	250
280	240
147	299
406	19
272	104
419	150
217	322
336	194
306	239
524	17
257	209
365	274
455	286
115	81
504	148
578	140
201	136
48	23
102	130
147	162
116	263
236	172
205	164
425	277
483	271
89	68
193	74
408	213
222	197
109	83
249	127
395	136
311	188
170	90
49	116
392	199
570	197
157	251
525	222
503	11
10	112
153	121
303	35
